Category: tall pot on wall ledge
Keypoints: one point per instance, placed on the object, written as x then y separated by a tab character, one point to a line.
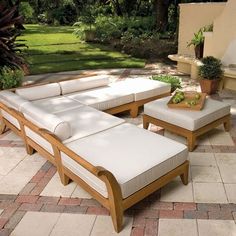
210	73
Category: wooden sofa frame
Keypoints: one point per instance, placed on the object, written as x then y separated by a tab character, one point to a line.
114	203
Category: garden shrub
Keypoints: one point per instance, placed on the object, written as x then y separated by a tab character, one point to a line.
10	78
174	81
27	12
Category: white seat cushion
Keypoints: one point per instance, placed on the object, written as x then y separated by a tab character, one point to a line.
47	120
142	88
103	98
85	121
76	85
190	120
57	104
136	157
39	92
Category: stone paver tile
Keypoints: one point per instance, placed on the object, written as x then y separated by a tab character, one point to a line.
220	137
29	166
103	226
174	227
227	166
12	137
175	191
16	180
13	152
14	220
71	224
202	159
8	163
175	137
203	140
36	223
216	227
205	174
80	193
56	189
209	193
13	184
231	192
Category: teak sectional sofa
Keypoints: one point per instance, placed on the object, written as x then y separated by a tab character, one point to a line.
119	164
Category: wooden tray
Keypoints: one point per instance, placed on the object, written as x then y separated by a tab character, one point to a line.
189	95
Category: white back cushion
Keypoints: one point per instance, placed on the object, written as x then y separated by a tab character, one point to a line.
39	92
76	85
46	120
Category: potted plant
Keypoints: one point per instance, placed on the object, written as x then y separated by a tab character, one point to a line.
210	74
198	43
86	21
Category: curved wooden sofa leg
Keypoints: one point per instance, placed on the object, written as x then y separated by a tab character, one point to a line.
29	149
65	180
114	196
3	127
184	175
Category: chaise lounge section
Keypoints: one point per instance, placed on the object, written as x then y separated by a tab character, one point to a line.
119	164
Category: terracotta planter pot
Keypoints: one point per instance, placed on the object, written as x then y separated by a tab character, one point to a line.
209	86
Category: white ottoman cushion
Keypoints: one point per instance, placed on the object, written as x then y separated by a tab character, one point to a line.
190	120
136	157
142	88
39	92
81	84
103	98
57	104
85	121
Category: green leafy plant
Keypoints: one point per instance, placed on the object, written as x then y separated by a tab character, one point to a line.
210	68
174	81
10	24
197	39
10	78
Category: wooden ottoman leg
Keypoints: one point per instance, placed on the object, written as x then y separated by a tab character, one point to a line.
184	176
191	139
227	125
145	122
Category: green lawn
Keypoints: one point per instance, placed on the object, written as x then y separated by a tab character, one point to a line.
55	49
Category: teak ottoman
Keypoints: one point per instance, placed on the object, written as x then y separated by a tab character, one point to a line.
187	123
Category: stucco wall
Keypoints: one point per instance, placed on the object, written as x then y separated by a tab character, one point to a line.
224	33
193	16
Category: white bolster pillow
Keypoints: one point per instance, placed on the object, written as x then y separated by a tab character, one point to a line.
51	122
77	85
40	92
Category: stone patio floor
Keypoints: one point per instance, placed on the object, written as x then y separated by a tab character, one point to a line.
33	202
